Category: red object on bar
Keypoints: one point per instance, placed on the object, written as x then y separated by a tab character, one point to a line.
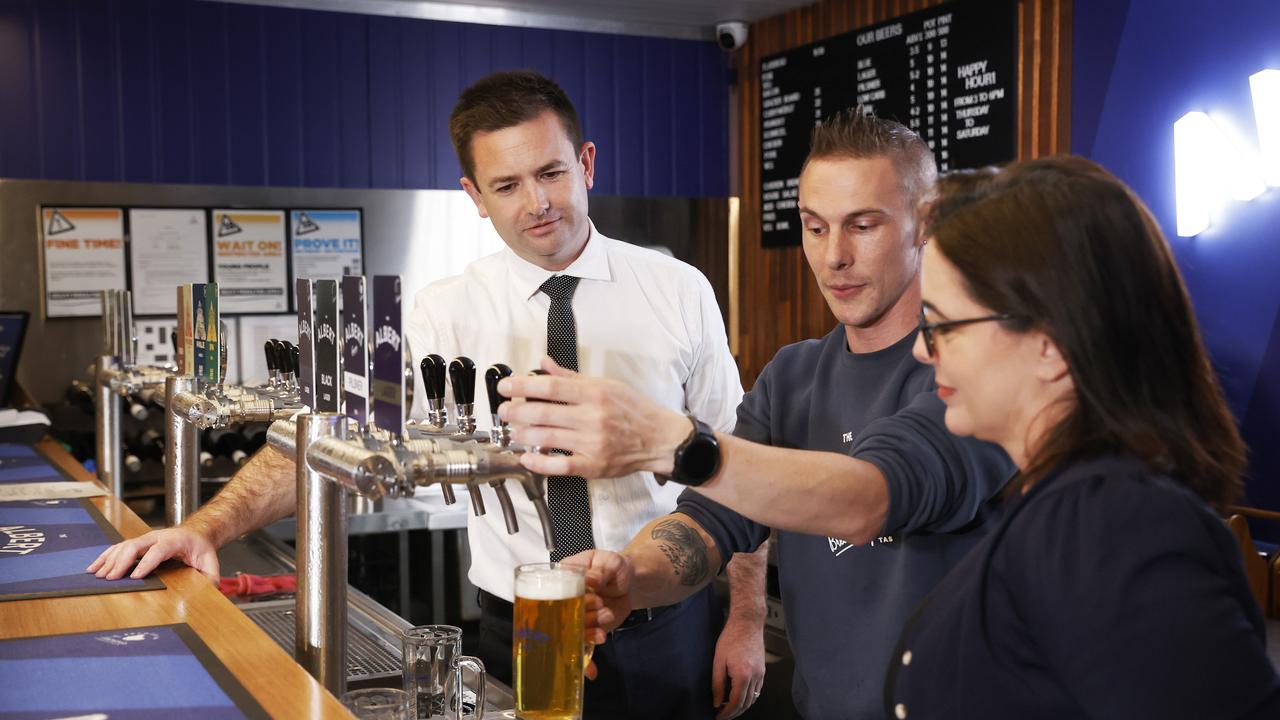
247	585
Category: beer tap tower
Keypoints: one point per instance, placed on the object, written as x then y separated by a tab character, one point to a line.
197	398
386	457
117	374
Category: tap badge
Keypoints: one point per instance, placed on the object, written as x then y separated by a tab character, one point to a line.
387	335
304	328
355	337
327	333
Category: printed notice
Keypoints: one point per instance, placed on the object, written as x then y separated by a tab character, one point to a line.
83	255
249	263
167	248
326	244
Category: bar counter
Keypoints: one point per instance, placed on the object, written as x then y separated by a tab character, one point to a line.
270	675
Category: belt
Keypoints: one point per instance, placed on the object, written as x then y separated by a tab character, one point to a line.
497	606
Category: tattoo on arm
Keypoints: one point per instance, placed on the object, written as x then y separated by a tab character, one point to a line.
685	550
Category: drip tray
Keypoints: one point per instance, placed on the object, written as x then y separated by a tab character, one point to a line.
372	653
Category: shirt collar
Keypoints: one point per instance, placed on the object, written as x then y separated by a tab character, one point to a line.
592	264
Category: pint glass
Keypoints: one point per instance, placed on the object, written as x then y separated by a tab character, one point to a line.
550	612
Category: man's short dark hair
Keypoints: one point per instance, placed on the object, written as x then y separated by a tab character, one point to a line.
503	100
857	133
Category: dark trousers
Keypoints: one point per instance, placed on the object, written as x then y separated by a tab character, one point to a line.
651	667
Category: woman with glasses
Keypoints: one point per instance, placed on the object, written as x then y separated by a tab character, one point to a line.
1058	328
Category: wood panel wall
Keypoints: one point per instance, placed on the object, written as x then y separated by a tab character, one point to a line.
779	301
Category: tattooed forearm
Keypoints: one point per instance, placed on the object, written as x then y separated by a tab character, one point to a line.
685	550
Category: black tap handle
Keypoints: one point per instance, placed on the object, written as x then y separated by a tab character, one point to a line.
462	373
494	374
295	358
432	367
273	360
173	338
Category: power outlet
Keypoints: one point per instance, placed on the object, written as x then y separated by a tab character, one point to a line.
154	346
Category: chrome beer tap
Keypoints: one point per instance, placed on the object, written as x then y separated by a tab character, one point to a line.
433	369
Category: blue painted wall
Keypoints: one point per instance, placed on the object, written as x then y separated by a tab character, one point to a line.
179	91
1139	65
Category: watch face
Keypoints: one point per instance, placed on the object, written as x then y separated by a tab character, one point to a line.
700	458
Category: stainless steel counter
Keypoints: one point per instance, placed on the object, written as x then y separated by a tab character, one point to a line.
373	658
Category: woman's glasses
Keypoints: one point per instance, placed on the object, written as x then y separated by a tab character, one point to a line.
931	330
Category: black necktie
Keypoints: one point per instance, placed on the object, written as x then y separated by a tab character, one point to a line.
567	496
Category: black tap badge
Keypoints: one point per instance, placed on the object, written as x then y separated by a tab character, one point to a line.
355	353
325	315
306	344
388	355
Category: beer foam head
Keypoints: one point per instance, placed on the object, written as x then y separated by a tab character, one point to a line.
549	584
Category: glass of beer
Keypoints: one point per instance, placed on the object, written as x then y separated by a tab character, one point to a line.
549	652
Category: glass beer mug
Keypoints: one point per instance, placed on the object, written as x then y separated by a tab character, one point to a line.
549	652
433	663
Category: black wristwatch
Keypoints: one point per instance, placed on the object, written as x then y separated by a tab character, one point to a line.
698	457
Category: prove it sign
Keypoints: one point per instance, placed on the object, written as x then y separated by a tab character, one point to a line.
326	244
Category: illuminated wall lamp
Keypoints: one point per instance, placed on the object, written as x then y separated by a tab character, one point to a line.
1211	168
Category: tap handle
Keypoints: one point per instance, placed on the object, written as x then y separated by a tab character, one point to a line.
273	360
462	373
492	376
508	510
173	338
433	376
295	358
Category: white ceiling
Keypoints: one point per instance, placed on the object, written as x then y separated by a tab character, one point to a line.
689	19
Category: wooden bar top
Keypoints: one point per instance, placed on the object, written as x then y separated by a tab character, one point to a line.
270	675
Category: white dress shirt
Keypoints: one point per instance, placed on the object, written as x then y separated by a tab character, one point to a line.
646	319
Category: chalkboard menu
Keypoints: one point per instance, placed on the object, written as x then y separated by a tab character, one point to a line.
949	72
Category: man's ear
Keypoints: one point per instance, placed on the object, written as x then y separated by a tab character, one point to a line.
587	156
473	192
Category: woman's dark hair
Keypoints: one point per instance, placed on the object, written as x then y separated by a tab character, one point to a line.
1064	246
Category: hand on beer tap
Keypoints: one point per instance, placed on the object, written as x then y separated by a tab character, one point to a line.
610	428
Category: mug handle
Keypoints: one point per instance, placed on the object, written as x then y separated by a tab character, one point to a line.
477	668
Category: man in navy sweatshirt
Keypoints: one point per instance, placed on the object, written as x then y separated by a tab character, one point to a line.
914	500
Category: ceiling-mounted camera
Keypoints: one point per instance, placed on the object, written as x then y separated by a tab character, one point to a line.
731	34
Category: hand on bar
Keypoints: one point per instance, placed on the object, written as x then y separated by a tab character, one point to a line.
155	547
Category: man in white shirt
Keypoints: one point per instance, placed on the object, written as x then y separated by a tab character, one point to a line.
639	317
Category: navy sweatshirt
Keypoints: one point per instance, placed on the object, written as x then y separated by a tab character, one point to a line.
1104	592
845	605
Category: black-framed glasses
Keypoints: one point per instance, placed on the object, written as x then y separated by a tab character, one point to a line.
930	329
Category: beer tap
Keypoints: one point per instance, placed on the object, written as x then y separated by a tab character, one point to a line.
499	433
462	375
433	368
275	379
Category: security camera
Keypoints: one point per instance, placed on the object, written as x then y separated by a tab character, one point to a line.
731	34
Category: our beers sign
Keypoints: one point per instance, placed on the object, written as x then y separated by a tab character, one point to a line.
550	655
